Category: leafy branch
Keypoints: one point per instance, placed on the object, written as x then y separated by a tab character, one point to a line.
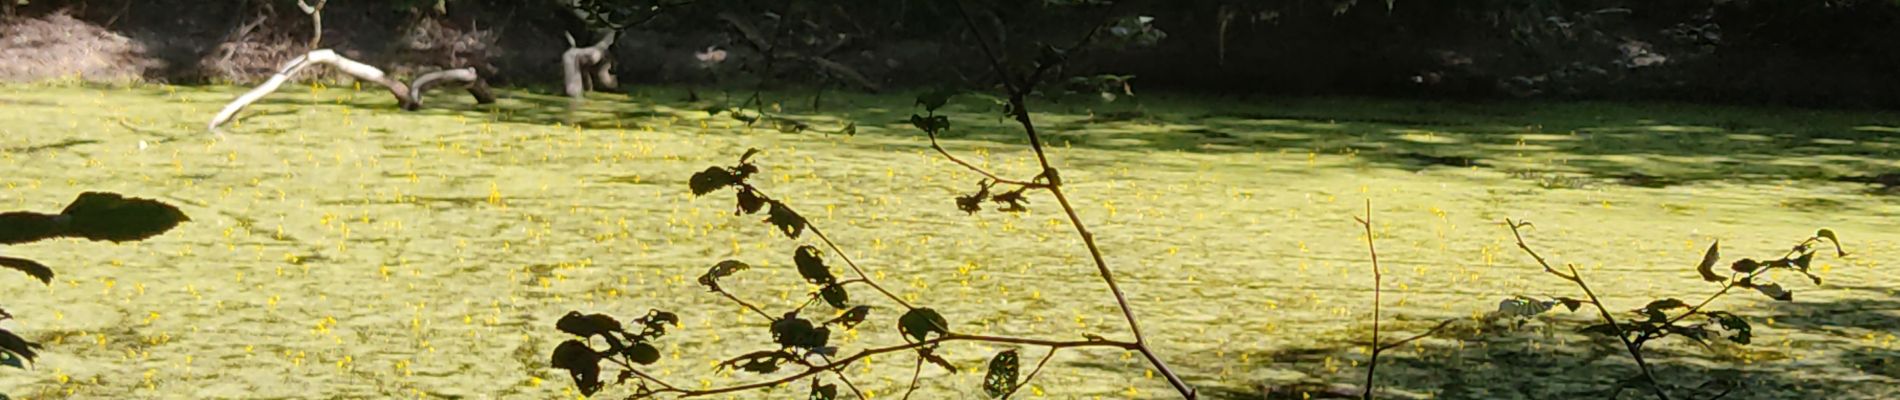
1378	289
1656	322
1018	87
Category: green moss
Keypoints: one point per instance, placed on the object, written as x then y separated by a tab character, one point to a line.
343	248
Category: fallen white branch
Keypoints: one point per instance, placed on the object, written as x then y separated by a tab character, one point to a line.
322	56
592	57
467	77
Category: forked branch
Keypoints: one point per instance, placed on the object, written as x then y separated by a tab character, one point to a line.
1634	349
1019	87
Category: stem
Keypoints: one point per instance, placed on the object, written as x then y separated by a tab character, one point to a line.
1636	352
835	249
1032	374
1372	367
979	170
1018	106
1577	278
854	265
915	372
1401	342
845	379
748	306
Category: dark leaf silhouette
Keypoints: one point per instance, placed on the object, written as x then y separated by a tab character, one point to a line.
1774	291
852	317
822	392
1655	309
936	124
786	220
930	354
1666	304
587	325
18	346
919	323
642	353
1738	327
969	203
792	331
1697	333
763	362
722	269
1745	265
1806	259
35	269
1828	234
713	178
835	295
812	267
1001	378
656	322
1013	200
749	202
1570	303
935	99
111	217
1707	267
581	363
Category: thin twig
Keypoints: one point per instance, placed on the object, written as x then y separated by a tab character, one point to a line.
1428	333
1577	278
835	249
1017	92
845	379
748	306
914	374
1372	367
1032	374
979	170
854	265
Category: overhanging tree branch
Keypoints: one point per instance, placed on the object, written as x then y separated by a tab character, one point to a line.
1019	89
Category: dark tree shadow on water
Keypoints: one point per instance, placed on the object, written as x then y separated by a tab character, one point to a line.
1802	349
1840	349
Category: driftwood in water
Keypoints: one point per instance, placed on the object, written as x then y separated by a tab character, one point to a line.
322	56
579	65
467	77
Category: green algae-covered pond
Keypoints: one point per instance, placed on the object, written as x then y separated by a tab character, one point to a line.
341	248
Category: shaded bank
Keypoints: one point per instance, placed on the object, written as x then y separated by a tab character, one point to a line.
1835	53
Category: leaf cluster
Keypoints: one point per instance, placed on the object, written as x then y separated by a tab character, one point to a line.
582	359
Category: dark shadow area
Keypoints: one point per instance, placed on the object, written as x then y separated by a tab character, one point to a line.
1811	350
1552	144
